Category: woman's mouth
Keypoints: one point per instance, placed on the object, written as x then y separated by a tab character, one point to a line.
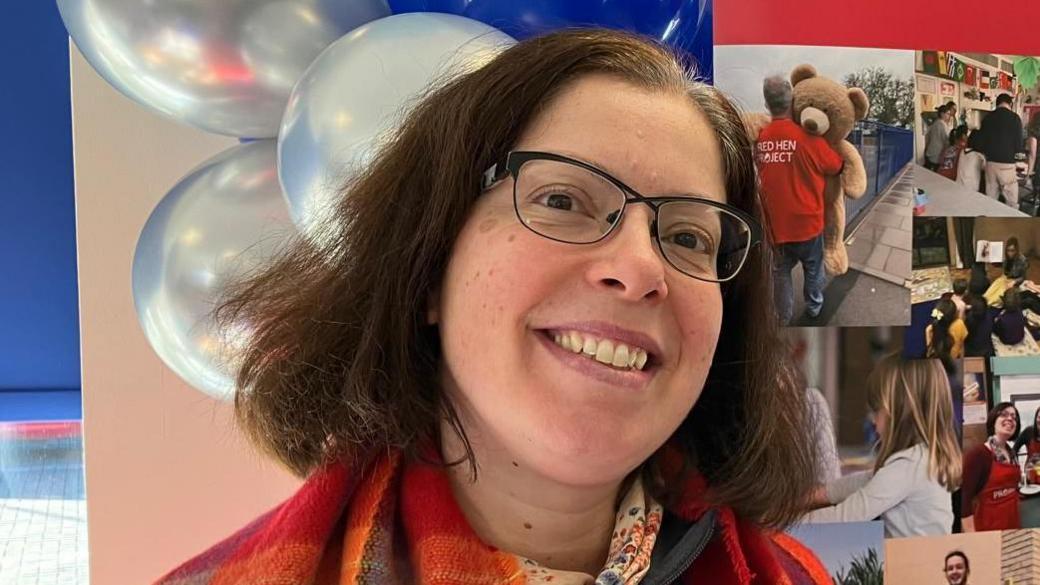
606	351
636	366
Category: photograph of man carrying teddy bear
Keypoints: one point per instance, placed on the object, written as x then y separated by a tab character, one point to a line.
834	149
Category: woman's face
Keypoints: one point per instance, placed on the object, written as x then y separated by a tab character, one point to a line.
1006	423
880	421
508	292
1012	251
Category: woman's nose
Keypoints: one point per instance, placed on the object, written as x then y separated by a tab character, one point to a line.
628	262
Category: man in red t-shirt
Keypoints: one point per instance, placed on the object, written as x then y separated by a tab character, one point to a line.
793	167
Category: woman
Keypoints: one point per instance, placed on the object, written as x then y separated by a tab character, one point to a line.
945	335
1030	439
1015	269
918	463
511	366
989	492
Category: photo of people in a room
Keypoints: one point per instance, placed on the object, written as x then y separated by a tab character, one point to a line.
1001	445
831	127
976	125
975	288
887	430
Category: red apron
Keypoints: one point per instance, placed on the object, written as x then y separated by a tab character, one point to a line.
996	506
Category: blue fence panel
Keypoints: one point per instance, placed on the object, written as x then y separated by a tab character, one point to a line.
885	151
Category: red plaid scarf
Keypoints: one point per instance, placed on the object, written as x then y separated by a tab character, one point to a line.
399	523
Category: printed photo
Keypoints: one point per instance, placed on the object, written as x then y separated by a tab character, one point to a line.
887	430
974	289
976	123
956	559
854	552
833	151
1002	449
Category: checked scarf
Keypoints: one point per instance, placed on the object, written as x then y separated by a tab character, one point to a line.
397	523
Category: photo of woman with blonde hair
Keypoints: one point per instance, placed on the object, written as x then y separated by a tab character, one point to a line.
918	463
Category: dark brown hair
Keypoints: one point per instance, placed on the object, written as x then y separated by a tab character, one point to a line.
942	341
1012	300
956	553
991	420
342	363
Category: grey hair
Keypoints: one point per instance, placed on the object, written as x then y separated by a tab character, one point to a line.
777	91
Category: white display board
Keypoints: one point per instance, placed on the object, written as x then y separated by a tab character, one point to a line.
1024	392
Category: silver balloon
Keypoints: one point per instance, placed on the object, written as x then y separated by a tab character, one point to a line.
356	92
223	219
225	66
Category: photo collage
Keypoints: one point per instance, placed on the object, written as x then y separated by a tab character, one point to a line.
911	298
520	292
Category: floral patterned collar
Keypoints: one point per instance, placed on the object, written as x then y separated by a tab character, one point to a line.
628	560
1001	452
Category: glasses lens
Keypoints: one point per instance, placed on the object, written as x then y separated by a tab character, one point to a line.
566	202
703	241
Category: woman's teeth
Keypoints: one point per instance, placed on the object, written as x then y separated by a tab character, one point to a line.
604	351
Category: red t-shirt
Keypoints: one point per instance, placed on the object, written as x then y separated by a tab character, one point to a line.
792	168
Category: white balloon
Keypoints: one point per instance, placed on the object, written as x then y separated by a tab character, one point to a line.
358	91
223	219
225	66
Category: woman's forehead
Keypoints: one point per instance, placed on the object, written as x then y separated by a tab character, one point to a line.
655	142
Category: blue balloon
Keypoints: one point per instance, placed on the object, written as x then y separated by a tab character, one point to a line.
445	6
684	25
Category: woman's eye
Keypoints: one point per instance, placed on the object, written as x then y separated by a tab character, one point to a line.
691	241
560	201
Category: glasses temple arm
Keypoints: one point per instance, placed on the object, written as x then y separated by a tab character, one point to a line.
494	174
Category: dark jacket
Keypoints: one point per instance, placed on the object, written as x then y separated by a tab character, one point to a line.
1000	136
1010	327
979	342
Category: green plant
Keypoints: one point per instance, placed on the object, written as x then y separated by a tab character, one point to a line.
863	570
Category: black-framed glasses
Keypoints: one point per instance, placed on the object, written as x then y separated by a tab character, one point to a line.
571	201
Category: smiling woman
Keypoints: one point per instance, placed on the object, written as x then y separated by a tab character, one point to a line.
989	495
538	347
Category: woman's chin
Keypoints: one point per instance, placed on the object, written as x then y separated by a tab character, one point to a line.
586	463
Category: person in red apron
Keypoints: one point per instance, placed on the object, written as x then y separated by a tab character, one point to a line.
1030	438
991	475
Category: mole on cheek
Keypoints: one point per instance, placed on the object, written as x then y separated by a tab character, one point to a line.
487	225
527	525
511	237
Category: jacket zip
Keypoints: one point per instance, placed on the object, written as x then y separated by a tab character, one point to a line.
676	574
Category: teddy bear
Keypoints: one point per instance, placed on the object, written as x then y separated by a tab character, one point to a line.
826	108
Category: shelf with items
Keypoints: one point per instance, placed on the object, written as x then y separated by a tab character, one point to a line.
977	105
